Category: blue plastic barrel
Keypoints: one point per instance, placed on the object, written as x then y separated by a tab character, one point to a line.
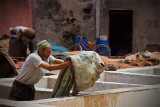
85	40
103	42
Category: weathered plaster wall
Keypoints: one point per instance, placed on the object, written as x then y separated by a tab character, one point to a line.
146	20
61	21
15	13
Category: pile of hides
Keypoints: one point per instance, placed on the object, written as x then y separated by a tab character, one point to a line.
143	59
139	59
86	69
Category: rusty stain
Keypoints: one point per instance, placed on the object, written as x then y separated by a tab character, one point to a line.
108	100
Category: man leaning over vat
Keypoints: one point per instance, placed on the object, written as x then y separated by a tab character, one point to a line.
33	70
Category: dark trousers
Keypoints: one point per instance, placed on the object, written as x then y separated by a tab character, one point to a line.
21	92
24	45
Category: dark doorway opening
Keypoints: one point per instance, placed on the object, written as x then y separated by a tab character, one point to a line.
120	32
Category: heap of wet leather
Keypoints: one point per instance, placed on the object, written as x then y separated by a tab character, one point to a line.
86	69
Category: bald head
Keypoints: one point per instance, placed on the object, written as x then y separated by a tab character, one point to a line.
48	47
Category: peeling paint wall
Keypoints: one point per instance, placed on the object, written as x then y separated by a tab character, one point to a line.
61	21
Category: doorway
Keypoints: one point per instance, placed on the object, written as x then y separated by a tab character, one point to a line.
120	32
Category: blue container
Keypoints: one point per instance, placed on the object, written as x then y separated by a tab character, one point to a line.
103	42
58	48
85	40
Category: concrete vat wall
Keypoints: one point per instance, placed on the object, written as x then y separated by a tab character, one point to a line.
48	82
111	94
154	70
133	97
45	86
130	78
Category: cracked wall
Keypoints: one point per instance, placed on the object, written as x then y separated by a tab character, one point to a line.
60	21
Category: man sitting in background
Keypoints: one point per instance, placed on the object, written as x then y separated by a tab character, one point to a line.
21	38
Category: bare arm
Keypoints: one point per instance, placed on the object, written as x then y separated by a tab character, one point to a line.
20	35
55	66
58	61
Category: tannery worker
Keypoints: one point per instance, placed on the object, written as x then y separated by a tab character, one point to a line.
21	38
33	70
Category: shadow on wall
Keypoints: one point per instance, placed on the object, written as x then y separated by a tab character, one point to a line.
62	23
70	31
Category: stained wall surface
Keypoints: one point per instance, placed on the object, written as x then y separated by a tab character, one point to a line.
61	21
146	23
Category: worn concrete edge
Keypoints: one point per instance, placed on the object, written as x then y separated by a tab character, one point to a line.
12	103
5	83
41	103
117	83
122	90
128	73
111	91
139	69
